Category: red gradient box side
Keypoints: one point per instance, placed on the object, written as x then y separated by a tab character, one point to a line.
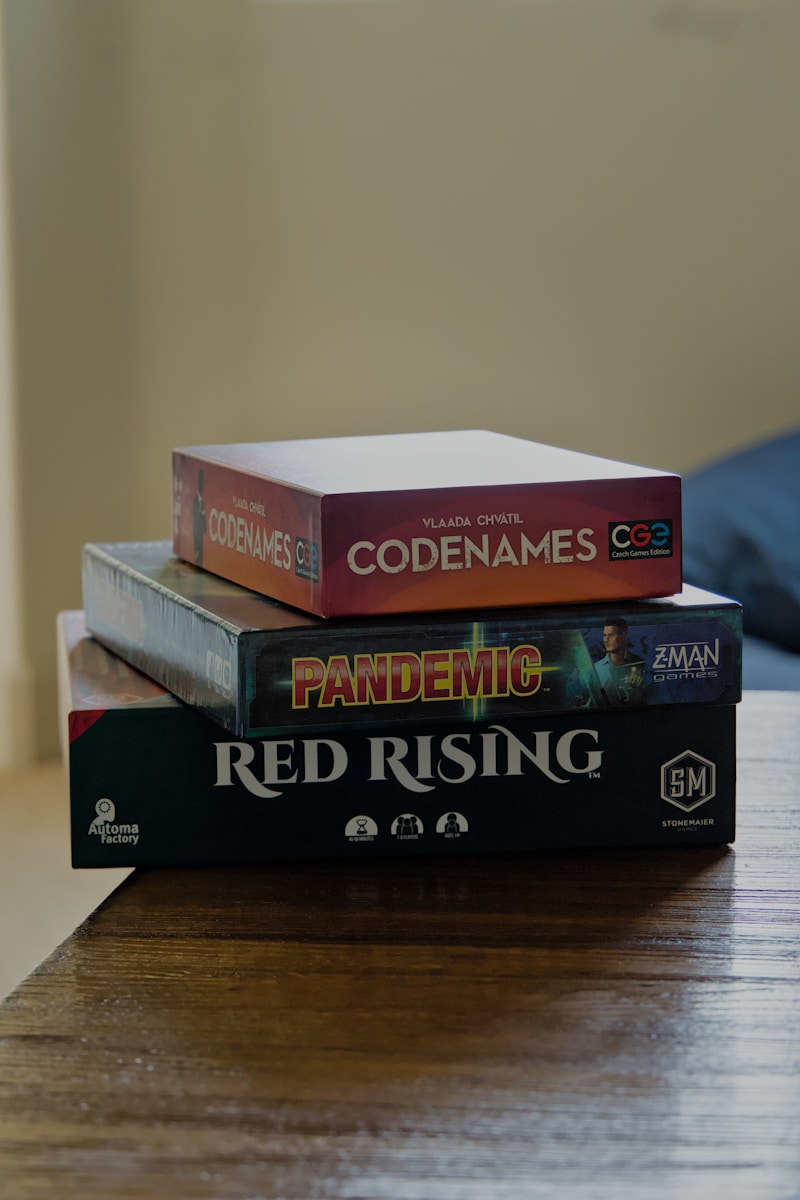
554	516
253	531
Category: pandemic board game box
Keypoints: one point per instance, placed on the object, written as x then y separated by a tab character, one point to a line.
154	783
259	667
421	522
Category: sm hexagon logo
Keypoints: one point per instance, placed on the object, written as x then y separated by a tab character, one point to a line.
688	780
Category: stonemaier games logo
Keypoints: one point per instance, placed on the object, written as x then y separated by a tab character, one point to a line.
688	780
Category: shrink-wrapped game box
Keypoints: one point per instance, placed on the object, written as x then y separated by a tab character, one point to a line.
257	666
421	522
154	783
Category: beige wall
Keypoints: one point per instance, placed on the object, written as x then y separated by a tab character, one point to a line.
574	220
16	710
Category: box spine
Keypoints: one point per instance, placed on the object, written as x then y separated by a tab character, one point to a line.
257	532
186	649
515	544
174	791
478	669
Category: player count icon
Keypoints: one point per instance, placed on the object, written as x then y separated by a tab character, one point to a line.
452	824
361	829
407	826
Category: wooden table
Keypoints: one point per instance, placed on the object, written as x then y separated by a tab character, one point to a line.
582	1025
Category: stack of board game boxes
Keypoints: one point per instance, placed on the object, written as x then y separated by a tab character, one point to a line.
417	643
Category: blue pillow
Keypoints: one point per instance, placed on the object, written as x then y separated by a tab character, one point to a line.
741	535
766	666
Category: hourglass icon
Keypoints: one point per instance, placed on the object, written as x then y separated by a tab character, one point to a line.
360	828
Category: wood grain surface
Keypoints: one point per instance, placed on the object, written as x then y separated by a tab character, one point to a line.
584	1025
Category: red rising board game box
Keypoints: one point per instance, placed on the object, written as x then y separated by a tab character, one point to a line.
420	522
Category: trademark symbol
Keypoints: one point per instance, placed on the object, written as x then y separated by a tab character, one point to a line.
594	774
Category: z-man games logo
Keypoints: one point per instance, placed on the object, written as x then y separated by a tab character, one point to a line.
640	539
686	660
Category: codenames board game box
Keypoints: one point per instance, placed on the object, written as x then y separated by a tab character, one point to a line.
259	667
154	783
420	522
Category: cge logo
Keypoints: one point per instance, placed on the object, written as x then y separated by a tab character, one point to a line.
306	559
640	539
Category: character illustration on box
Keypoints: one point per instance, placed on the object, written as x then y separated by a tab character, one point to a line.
621	671
199	519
